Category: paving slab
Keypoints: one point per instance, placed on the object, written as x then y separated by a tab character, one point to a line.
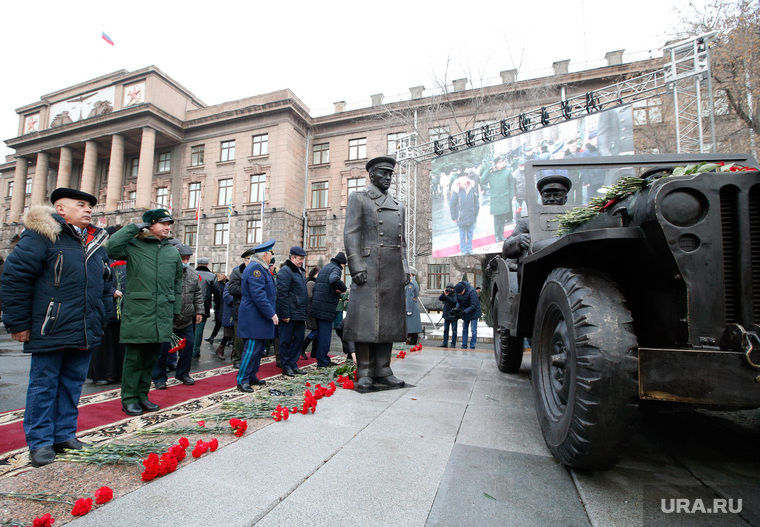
484	486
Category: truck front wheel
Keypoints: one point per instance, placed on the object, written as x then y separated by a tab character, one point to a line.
584	368
507	350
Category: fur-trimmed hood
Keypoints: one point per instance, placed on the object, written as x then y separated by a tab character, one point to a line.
44	220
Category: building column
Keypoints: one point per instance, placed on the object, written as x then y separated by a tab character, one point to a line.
89	168
145	168
39	183
64	168
19	189
115	173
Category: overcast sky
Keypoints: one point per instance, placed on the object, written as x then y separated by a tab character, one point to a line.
324	51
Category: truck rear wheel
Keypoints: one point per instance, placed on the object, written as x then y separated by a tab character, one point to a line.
584	368
507	350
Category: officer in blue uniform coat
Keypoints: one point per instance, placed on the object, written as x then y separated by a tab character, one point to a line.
257	316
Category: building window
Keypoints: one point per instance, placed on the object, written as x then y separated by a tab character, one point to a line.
355	184
194	195
253	232
191	235
196	155
134	165
164	161
322	153
648	111
10	189
357	148
317	237
162	197
437	133
224	196
28	190
132	196
221	233
228	150
393	142
258	187
260	145
438	276
319	194
219	267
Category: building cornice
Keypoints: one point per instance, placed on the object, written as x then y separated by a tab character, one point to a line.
146	114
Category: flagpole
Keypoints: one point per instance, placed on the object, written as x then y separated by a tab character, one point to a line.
197	228
229	233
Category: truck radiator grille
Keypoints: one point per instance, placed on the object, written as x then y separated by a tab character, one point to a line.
754	236
729	220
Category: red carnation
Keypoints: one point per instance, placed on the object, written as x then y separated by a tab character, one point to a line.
213	444
168	463
239	425
200	423
82	507
46	521
103	495
177	452
183	442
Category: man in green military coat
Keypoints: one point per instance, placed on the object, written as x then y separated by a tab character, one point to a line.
153	299
499	179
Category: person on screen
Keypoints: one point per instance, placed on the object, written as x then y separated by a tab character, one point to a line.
464	206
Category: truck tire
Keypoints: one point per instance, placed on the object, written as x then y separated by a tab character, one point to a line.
507	350
584	368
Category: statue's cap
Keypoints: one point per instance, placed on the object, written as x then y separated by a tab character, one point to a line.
381	162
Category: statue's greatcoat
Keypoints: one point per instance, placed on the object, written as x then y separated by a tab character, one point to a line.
375	242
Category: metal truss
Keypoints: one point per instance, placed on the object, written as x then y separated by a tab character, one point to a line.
686	74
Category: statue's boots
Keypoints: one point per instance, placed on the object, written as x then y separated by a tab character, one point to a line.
390	380
364	367
382	372
363	384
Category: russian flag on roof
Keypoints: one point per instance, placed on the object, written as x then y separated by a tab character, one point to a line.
107	38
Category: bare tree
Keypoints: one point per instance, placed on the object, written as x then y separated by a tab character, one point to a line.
735	63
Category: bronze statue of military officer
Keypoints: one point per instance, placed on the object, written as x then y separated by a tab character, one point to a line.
376	248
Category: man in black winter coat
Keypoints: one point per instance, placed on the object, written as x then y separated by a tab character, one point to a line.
208	286
292	301
327	290
56	302
450	305
235	288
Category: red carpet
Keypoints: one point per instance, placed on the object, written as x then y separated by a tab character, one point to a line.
476	243
99	414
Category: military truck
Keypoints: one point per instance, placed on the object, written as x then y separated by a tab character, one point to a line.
655	298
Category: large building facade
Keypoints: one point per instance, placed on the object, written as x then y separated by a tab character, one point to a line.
241	172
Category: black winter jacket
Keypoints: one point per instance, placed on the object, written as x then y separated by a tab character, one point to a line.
292	297
56	286
325	298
